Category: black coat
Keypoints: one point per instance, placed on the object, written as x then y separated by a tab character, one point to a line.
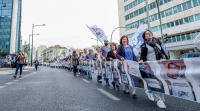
110	55
144	51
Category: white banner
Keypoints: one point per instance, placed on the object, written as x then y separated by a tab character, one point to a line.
137	40
98	32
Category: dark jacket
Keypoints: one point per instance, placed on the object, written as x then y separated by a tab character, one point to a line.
144	51
75	60
110	55
121	52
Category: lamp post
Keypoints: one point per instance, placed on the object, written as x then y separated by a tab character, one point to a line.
97	41
160	22
117	28
30	45
32	41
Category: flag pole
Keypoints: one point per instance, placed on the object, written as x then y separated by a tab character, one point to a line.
94	34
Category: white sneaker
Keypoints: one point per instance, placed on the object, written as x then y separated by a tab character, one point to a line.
150	96
161	104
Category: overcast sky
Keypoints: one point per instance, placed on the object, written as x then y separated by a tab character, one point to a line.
66	21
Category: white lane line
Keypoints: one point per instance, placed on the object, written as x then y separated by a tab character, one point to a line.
2	87
86	80
108	94
16	80
9	83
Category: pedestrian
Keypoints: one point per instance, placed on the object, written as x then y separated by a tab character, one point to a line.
125	52
112	55
82	58
89	57
103	53
197	41
12	63
20	62
74	61
151	50
98	57
36	64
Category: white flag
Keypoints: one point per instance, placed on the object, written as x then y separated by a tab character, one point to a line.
98	32
137	40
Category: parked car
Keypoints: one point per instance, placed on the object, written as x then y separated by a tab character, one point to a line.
189	55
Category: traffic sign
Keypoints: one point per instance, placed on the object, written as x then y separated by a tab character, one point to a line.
164	47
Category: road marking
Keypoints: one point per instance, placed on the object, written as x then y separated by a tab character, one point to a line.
21	78
2	87
16	80
86	80
108	94
9	83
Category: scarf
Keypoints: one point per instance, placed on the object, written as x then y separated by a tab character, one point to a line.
158	52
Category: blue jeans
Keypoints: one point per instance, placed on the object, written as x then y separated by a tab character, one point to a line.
90	74
116	83
99	78
106	80
17	67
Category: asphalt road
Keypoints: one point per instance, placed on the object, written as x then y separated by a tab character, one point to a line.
50	89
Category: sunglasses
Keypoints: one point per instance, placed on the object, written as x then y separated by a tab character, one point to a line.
148	33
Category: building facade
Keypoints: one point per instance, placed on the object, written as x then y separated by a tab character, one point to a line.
180	20
10	26
53	51
39	51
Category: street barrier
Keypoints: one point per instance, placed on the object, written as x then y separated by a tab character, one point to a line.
179	78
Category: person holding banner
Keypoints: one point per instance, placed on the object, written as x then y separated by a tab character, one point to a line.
125	52
151	50
74	61
98	57
104	51
82	58
89	57
112	55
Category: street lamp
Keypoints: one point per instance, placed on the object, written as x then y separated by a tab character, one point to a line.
32	40
30	44
97	41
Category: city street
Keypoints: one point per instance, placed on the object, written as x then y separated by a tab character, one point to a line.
50	89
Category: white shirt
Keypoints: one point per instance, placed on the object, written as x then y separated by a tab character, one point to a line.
197	41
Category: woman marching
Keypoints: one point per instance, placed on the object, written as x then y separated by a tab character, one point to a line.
20	62
75	61
112	55
125	52
151	51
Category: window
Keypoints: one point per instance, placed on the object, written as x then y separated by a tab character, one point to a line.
183	37
152	18
197	17
163	14
170	11
172	24
168	25
181	21
191	18
188	36
195	2
191	55
164	26
174	39
186	20
166	12
176	22
184	6
175	9
179	8
178	38
194	35
170	40
189	4
183	56
160	2
198	32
